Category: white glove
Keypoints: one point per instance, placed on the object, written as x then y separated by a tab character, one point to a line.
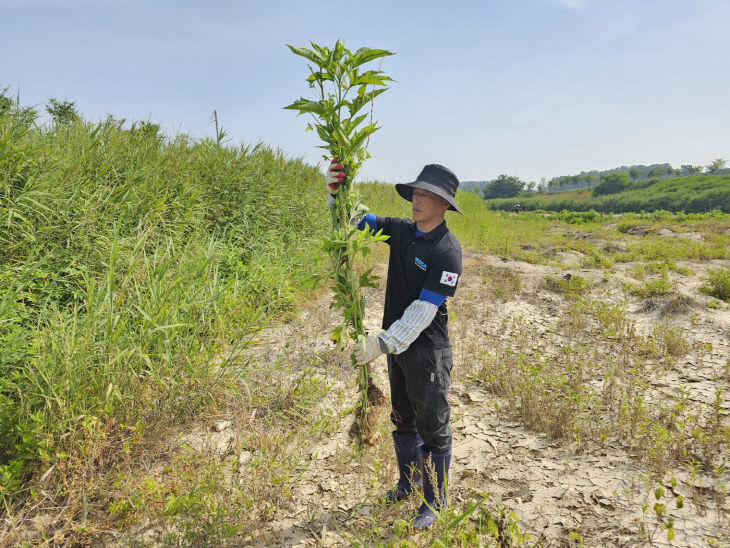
367	350
334	176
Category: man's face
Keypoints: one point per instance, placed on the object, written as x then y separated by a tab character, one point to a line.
427	206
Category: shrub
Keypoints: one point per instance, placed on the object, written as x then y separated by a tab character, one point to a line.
579	217
717	284
653	288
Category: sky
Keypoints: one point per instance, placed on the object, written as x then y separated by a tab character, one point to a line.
532	88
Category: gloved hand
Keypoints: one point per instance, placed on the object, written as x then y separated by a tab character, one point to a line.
367	350
334	176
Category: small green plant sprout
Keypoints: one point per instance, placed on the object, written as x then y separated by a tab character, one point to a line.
664	521
341	87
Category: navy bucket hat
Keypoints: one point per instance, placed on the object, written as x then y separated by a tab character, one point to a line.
434	178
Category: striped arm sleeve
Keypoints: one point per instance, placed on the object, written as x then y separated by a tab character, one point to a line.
404	331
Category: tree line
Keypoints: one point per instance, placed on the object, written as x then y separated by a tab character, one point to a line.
603	182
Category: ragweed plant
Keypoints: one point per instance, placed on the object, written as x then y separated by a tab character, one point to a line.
341	88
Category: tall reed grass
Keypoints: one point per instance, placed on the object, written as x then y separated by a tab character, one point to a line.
134	268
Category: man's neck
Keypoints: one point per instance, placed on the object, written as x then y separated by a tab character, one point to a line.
424	226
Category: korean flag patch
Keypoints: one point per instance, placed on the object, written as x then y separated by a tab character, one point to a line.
449	278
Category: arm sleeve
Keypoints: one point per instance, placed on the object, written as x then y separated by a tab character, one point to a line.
404	331
432	297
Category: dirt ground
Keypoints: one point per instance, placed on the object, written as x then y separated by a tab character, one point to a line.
595	490
553	489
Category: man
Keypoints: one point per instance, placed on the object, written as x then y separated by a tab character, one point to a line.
423	270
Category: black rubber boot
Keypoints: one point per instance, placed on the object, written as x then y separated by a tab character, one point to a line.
435	468
408	454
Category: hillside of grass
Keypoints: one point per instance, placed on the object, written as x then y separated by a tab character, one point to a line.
134	269
693	194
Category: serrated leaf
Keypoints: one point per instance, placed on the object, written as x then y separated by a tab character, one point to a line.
371	77
360	136
313	56
319	75
366	280
353	123
365	55
363	99
305	105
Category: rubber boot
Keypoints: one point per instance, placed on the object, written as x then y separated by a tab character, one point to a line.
435	468
408	455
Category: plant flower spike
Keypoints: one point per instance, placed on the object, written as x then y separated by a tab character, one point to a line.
341	86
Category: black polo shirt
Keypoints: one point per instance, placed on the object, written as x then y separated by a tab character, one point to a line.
430	261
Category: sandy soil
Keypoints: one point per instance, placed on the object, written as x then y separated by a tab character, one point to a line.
553	488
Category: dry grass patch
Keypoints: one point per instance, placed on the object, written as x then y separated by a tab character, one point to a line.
672	304
503	283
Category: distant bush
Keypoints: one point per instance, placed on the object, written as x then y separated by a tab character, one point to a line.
612	184
579	217
625	226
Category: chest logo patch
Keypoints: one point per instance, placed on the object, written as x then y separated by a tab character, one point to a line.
420	264
449	278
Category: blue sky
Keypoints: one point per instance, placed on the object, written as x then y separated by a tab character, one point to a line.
533	88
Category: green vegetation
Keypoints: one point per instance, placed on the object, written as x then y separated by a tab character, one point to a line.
612	184
504	186
342	93
693	194
717	284
537	237
134	271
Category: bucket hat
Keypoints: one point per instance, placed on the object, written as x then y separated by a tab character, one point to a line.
434	178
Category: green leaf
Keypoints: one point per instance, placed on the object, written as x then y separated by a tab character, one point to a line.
366	280
324	134
365	55
353	123
360	136
319	76
314	57
363	99
371	77
305	105
342	138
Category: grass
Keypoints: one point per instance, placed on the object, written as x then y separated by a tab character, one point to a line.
597	388
135	270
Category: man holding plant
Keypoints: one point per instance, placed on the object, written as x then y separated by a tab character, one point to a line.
423	270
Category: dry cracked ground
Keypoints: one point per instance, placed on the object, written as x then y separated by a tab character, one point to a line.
571	402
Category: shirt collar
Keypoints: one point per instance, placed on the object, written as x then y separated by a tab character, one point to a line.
435	233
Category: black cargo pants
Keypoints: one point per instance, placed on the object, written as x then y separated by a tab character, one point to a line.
419	387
